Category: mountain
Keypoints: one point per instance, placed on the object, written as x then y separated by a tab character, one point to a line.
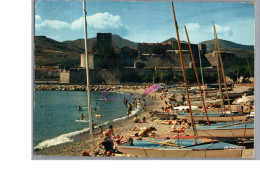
223	44
51	52
171	39
228	46
121	42
67	53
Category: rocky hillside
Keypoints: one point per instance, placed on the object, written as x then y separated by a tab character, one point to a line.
67	53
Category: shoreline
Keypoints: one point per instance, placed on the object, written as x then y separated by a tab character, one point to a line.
82	141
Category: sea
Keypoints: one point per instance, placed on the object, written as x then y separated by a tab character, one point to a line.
56	117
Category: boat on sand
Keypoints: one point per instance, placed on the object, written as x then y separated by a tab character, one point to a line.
182	148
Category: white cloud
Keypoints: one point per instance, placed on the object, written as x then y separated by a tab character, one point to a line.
38	18
77	24
104	21
192	27
54	24
225	31
98	21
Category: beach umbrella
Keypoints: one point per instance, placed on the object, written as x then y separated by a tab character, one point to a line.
151	89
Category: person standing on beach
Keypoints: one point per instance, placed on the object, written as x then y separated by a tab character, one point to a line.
135	103
144	105
129	111
183	99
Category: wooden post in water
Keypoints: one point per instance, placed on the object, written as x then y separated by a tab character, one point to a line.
184	75
88	82
195	69
223	73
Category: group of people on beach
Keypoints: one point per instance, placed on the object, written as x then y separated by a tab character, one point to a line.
178	126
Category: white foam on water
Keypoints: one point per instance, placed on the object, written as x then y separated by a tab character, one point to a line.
79	120
64	138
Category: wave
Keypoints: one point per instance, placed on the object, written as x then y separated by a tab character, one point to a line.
65	138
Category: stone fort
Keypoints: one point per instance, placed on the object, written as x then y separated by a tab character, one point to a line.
127	61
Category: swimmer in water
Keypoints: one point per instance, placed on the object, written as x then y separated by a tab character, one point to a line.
82	117
79	108
99	106
97	115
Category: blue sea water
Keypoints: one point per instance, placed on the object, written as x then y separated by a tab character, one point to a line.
57	118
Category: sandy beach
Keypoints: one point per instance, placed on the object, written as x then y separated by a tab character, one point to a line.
81	142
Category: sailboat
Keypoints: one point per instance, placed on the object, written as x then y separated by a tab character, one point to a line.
214	117
181	148
228	130
88	81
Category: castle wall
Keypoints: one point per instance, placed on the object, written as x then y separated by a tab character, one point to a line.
128	52
64	76
212	58
90	61
148	48
104	40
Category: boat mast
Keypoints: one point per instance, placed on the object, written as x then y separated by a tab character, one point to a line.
223	73
184	75
219	82
195	69
88	81
202	78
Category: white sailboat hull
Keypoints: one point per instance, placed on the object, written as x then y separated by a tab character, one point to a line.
214	118
223	133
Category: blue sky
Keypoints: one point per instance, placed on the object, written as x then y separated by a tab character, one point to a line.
146	21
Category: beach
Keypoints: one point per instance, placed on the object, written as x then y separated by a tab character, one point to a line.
81	142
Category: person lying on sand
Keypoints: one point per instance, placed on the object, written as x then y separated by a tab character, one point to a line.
184	122
143	132
187	125
168	122
174	129
136	119
119	141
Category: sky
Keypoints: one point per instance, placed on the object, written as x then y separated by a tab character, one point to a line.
152	21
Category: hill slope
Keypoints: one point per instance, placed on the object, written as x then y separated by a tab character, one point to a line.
67	53
228	46
51	52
